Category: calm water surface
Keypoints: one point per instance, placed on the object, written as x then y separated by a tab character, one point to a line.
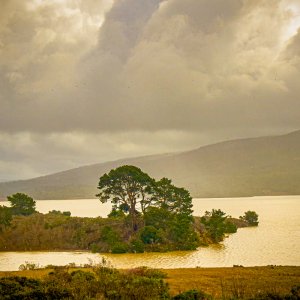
275	241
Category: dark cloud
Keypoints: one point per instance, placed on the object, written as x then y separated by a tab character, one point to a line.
209	70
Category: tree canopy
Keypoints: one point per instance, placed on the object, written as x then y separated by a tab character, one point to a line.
217	224
21	204
165	210
251	217
128	188
174	199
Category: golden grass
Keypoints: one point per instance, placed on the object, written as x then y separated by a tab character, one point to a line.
37	274
239	281
218	282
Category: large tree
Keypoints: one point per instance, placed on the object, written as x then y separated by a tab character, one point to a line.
128	188
165	209
174	199
21	204
171	211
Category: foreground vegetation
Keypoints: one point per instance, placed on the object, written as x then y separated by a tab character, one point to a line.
102	282
236	282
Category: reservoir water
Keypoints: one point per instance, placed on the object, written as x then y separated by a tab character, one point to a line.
276	241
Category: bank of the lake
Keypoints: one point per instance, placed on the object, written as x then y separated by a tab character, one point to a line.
218	282
275	241
59	231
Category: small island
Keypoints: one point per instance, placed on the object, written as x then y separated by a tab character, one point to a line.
147	216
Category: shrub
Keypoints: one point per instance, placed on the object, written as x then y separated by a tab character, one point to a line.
137	246
215	224
109	236
95	248
116	213
230	227
149	235
192	295
29	266
119	247
251	217
5	217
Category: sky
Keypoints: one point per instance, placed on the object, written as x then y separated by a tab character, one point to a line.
87	81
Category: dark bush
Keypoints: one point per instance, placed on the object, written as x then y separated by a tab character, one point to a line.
137	246
149	235
192	295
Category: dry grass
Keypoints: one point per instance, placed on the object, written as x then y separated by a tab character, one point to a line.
239	282
36	274
218	282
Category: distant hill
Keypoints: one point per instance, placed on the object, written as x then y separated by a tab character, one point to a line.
244	167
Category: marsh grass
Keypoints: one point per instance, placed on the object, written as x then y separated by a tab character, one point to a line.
271	282
234	283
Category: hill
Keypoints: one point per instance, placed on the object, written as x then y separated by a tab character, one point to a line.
244	167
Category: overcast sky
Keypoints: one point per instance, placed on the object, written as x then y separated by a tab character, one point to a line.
85	81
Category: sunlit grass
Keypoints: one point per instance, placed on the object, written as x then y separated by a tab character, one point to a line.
219	282
237	281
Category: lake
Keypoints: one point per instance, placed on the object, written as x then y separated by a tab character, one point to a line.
276	241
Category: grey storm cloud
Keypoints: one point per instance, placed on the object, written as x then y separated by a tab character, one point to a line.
120	75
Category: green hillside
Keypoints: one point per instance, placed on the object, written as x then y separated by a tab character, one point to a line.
245	167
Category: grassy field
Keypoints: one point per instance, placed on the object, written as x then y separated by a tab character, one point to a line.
238	281
221	283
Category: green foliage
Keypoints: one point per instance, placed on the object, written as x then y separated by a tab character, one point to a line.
147	215
21	204
137	246
140	283
174	199
251	217
5	217
126	187
95	248
182	233
58	212
113	240
119	248
149	235
157	217
162	211
215	224
20	288
230	227
116	213
109	235
57	231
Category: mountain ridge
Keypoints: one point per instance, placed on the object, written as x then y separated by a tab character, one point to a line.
242	167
